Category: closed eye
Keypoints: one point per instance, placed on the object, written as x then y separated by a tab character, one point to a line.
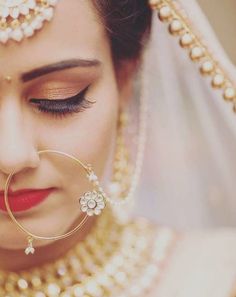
63	107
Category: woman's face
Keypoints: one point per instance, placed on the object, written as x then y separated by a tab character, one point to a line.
75	37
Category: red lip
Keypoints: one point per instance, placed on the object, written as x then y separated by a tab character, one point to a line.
24	199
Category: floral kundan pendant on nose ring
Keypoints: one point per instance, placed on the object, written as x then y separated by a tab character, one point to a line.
92	203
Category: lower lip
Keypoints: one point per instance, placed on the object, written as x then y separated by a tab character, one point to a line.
24	201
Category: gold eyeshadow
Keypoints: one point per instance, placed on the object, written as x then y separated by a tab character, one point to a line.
60	108
60	85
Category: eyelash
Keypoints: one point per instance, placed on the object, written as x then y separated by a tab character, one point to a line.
63	107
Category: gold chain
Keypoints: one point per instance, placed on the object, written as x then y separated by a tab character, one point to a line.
114	258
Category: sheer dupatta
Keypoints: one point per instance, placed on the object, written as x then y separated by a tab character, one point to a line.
189	173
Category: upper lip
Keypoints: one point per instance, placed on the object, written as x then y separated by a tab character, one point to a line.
15	193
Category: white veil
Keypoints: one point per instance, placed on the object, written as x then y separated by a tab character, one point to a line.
189	174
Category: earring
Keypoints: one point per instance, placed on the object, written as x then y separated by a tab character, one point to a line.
125	177
122	170
91	203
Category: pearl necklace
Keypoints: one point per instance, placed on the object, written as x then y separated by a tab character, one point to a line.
114	260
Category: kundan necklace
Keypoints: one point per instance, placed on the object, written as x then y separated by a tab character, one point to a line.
114	260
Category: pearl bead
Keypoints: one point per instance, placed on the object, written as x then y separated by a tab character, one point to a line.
17	35
24	25
218	80
175	26
36	282
135	291
5	12
53	290
78	292
146	281
93	289
39	25
34	24
196	53
14	13
207	67
24	9
48	14
229	93
31	4
4	36
28	31
9	30
164	13
22	284
186	40
92	177
114	188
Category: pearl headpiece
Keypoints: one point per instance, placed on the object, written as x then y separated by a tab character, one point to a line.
21	18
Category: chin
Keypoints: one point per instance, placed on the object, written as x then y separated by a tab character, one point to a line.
17	242
14	241
13	238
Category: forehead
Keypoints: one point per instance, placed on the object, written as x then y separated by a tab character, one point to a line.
74	32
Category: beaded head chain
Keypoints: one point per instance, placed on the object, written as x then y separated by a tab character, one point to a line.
21	18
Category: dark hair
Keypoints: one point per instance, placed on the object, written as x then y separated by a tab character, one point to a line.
127	23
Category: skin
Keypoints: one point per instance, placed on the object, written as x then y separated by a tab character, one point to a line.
89	135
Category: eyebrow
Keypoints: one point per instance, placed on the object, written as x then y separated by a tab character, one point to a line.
59	66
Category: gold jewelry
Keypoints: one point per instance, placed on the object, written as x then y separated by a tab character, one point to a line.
127	187
21	18
122	171
180	26
91	203
113	260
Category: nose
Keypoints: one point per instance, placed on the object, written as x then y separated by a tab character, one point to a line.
17	151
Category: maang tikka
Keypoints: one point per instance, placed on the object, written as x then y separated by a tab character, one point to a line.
22	18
